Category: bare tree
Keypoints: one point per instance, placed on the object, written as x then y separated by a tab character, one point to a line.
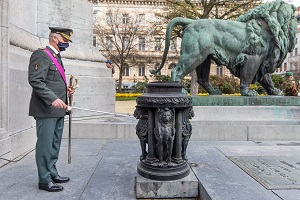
120	38
204	9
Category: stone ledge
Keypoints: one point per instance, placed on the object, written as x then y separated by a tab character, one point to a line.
187	187
219	100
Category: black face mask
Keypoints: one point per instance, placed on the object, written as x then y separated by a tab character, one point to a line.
62	46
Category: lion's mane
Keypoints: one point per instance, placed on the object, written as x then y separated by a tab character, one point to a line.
280	20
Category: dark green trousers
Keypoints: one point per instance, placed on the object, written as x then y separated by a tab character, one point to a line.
49	134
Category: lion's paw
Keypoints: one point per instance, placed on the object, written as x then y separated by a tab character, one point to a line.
277	92
216	92
249	93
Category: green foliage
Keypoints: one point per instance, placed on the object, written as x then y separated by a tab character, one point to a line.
186	83
228	85
125	98
159	77
258	88
277	80
140	86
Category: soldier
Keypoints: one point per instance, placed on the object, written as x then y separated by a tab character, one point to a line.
109	64
289	86
48	105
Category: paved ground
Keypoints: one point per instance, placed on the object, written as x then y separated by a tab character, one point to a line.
105	169
125	107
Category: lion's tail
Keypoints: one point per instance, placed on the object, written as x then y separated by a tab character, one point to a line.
174	22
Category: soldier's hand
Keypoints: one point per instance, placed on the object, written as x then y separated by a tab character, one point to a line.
58	103
70	90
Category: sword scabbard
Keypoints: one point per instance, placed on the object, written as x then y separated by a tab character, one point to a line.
70	100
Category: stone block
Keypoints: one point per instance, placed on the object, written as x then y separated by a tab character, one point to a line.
100	131
23	142
274	132
187	187
216	100
5	150
218	132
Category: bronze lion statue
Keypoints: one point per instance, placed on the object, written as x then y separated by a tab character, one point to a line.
252	47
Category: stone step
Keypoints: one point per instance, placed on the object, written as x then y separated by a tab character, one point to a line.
237	123
200	132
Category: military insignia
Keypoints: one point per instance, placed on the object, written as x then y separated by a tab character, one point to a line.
36	66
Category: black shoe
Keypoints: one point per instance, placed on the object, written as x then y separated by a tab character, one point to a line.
59	179
50	187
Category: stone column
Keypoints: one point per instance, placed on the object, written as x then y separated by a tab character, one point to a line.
3	65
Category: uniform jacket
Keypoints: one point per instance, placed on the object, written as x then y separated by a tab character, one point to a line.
47	85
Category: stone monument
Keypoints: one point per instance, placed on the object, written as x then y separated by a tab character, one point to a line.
24	28
164	130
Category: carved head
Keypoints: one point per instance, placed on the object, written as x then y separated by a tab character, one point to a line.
165	115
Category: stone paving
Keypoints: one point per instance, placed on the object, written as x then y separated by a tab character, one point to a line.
105	169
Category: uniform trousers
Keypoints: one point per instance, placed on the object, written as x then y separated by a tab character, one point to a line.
49	134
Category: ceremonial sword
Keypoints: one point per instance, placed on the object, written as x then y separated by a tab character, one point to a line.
69	109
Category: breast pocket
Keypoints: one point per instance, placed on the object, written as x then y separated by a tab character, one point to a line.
52	72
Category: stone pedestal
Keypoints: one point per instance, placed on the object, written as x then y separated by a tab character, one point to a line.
164	130
187	187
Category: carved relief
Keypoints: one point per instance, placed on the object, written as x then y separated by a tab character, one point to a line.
164	135
142	130
164	101
186	130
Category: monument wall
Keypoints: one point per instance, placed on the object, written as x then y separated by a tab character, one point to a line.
24	28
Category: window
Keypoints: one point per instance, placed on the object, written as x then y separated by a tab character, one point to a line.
296	51
219	70
142	18
109	43
157	46
126	70
156	67
109	18
285	66
125	18
141	70
142	44
172	65
94	41
125	43
173	44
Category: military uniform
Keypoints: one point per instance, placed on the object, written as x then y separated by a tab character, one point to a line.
47	86
289	87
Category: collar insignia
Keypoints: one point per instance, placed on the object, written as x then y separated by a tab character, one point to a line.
36	66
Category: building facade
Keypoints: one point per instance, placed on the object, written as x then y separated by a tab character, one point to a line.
150	41
292	60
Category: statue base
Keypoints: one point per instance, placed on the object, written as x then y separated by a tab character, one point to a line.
187	187
165	173
241	118
228	100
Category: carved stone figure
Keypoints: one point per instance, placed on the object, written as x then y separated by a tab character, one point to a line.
186	130
164	134
251	47
142	130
